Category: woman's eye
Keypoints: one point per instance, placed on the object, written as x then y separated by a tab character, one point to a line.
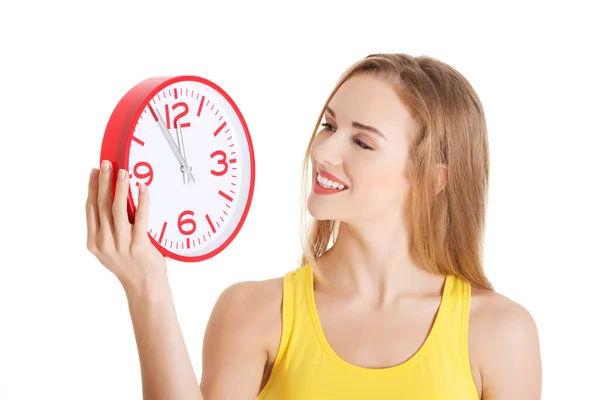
358	142
327	126
362	144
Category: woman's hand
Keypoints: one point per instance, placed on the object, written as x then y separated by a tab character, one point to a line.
123	248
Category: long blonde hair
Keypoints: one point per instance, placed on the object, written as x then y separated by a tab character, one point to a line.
447	228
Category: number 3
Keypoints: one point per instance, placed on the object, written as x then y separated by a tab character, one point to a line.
222	162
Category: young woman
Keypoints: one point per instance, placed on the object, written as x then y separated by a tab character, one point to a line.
390	300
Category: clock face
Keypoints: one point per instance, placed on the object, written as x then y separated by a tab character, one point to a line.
192	217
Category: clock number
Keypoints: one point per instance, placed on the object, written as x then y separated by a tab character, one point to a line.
181	114
222	161
143	175
181	221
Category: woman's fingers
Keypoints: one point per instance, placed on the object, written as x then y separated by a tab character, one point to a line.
105	199
91	210
122	226
140	227
110	232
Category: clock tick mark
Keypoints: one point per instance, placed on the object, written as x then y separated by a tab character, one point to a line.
153	113
220	128
200	106
212	227
225	195
162	232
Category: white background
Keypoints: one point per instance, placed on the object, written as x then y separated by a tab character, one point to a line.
64	325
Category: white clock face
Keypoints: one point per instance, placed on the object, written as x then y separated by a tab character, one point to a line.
192	215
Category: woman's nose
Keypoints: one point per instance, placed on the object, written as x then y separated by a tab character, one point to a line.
329	150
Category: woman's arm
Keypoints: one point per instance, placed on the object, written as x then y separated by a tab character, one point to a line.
243	330
243	322
234	339
506	344
166	369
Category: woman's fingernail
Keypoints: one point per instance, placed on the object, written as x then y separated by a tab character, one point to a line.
121	175
94	173
142	188
105	166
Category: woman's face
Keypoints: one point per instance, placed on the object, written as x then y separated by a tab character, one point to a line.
363	145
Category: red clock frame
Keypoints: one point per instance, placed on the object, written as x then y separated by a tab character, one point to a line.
119	134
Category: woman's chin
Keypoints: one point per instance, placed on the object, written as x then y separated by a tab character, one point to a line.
322	212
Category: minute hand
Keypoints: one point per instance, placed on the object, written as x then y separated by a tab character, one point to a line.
165	131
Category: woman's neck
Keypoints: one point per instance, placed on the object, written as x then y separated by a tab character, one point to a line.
373	261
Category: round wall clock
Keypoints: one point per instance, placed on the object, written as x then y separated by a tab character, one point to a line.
186	139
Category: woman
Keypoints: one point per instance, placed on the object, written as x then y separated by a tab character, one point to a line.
398	307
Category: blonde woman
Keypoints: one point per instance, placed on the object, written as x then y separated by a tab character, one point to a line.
390	300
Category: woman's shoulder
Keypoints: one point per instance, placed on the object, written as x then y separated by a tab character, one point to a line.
242	333
504	342
246	318
495	312
254	300
251	299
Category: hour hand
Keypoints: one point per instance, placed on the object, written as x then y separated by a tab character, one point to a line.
181	147
173	145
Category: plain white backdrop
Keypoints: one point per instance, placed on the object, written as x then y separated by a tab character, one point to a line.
65	330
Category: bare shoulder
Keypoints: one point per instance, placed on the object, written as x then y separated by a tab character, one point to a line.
250	300
505	346
504	318
243	328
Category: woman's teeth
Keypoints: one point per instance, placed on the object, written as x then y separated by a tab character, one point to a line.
328	184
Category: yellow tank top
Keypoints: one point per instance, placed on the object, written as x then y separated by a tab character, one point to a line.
307	368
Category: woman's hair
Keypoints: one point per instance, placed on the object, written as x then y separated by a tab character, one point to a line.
447	228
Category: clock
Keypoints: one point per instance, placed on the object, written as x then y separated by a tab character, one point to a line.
185	138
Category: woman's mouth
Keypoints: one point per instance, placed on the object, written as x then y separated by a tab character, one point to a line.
326	183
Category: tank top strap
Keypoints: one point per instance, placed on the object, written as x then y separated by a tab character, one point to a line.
293	309
294	293
453	319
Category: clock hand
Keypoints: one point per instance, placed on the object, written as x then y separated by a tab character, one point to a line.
169	138
181	146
